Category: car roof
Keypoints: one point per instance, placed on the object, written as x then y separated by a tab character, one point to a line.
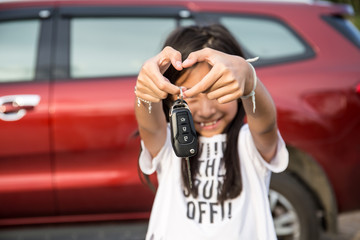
320	5
89	2
284	1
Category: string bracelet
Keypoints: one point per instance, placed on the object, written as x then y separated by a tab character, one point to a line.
252	93
139	100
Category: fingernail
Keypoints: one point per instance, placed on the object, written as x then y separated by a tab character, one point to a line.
178	64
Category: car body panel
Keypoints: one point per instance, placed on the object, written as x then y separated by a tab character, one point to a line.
98	162
25	163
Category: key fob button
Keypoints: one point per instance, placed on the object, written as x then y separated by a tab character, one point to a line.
184	129
182	119
185	138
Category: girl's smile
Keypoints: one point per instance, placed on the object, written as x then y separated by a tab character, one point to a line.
209	125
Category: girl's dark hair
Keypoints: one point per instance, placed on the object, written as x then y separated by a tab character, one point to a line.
190	39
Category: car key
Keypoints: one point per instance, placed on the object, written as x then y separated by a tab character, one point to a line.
183	134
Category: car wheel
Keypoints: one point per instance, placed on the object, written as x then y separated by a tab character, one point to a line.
293	209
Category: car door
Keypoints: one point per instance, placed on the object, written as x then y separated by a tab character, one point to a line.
99	54
25	167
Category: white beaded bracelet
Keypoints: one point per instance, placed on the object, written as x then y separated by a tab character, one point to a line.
252	93
139	100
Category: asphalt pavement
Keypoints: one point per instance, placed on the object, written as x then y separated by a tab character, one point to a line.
349	229
88	231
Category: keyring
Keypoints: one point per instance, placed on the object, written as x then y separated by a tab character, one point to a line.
181	95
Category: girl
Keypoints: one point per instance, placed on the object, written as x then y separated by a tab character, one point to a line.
231	172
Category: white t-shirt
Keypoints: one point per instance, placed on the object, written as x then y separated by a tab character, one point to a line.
176	215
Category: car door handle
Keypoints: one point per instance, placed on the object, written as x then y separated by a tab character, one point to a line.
14	107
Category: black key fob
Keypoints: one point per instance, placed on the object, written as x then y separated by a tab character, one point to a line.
183	134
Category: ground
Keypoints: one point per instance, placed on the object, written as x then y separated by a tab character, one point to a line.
349	229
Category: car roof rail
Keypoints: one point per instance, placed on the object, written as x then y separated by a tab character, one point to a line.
283	1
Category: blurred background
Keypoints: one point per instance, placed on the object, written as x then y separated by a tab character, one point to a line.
68	143
356	5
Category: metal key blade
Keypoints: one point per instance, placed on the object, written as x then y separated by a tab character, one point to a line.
188	170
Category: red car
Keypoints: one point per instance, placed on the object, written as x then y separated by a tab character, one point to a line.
67	74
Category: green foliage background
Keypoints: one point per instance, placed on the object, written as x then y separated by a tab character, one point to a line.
356	5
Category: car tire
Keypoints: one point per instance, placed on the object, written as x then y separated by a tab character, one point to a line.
293	209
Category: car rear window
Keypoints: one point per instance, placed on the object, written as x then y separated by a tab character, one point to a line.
345	27
18	49
270	39
114	46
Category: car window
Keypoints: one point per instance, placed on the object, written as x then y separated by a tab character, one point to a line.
264	37
18	49
114	46
345	27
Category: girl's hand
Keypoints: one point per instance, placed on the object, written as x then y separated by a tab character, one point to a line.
151	85
229	78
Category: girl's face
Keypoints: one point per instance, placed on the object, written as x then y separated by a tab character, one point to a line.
210	117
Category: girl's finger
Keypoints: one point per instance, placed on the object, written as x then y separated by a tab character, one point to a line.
169	54
230	97
151	70
204	84
222	91
147	86
229	82
203	55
